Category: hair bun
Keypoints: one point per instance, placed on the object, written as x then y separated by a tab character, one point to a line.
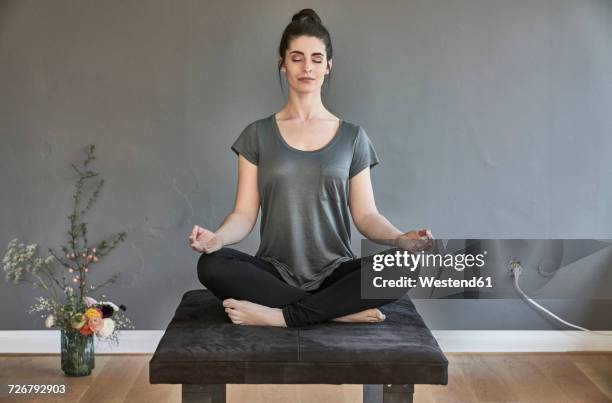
306	14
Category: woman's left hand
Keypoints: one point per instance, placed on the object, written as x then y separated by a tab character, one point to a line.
416	240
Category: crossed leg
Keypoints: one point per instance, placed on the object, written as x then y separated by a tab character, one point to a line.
253	292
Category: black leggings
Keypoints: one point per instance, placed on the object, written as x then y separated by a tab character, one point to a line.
230	273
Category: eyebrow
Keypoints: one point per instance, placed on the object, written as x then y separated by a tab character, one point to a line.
302	53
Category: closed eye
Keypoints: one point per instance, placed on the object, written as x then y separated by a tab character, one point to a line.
299	60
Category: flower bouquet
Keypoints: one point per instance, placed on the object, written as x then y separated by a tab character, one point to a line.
75	312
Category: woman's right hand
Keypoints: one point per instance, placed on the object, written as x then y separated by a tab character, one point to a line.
415	241
204	241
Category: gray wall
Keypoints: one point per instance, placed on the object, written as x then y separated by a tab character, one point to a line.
492	120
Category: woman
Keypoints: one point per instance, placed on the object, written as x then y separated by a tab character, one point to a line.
309	168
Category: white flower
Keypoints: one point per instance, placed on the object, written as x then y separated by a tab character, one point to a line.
69	291
50	321
108	328
89	301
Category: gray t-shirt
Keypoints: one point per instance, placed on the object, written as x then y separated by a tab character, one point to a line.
305	226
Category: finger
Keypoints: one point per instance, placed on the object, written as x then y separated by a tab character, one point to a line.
425	234
203	232
207	248
205	235
194	231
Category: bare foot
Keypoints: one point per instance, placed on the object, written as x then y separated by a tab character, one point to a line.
372	315
243	312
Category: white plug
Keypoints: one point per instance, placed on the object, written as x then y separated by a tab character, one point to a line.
515	268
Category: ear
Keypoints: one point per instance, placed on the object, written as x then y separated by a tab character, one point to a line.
280	64
329	65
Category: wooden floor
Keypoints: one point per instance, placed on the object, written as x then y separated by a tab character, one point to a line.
483	377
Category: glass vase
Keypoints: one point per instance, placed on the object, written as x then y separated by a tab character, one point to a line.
78	357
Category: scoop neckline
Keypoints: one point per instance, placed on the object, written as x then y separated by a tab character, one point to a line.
325	147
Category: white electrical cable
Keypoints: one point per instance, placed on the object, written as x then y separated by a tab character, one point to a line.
516	270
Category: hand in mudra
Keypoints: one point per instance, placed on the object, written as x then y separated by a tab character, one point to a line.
415	241
204	241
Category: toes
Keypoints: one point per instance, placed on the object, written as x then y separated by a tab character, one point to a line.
234	315
229	302
379	315
376	316
235	318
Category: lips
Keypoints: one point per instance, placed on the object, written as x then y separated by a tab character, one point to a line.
305	79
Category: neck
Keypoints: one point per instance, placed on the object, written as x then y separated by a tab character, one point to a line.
304	107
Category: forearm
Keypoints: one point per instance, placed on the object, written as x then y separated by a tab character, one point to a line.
377	228
235	228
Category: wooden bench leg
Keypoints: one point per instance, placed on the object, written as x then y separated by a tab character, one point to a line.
388	393
193	393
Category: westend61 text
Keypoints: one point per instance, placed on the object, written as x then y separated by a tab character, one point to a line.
407	282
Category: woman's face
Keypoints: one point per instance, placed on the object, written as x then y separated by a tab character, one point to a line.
306	64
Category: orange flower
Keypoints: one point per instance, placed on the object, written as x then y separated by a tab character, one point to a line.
93	313
85	331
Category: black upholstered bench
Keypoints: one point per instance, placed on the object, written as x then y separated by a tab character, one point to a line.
203	350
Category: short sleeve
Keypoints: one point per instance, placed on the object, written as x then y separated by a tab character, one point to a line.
247	144
364	154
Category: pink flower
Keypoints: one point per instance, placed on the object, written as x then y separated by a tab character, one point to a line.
95	324
89	301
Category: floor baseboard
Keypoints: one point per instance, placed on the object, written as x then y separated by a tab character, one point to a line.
451	341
